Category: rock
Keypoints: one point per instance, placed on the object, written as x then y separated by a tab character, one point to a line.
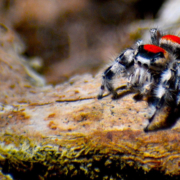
66	132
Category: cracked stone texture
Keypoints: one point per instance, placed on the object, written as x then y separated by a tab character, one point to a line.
65	132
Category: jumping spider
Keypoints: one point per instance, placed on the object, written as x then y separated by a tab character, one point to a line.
152	70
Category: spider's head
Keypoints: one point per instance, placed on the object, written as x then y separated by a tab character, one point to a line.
152	56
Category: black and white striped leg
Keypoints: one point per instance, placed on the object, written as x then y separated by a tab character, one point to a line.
163	91
158	101
155	36
122	64
177	83
107	78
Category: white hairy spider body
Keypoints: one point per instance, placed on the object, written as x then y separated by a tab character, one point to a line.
152	70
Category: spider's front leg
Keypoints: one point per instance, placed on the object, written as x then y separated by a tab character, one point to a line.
107	79
121	65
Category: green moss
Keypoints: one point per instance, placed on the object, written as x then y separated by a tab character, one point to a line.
26	158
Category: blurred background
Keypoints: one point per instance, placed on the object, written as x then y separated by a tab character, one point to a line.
77	36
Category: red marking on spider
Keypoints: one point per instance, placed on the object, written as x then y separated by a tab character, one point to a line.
153	48
172	38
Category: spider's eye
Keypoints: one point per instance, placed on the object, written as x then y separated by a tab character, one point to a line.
153	60
145	65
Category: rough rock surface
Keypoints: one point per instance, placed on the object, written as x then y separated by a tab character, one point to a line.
65	132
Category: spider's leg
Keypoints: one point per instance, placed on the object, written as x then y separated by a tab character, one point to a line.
141	80
120	66
158	101
161	93
146	80
177	83
107	78
155	36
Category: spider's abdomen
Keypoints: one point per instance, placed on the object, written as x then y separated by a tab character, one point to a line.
171	43
171	38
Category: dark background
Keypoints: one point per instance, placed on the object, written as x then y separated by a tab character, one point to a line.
75	36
